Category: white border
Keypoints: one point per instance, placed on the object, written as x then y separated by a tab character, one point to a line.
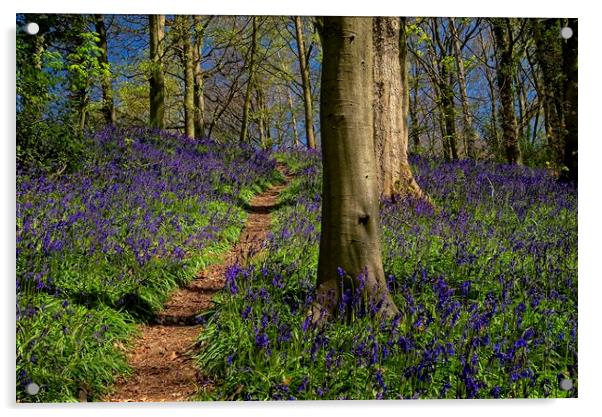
589	225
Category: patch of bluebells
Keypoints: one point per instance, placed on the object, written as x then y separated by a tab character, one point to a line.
146	211
486	284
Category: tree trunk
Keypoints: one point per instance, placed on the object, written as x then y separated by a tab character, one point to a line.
449	111
183	24
394	176
505	70
569	55
263	119
108	107
305	82
495	139
199	97
349	257
549	56
293	117
250	81
469	131
523	114
157	82
405	85
413	110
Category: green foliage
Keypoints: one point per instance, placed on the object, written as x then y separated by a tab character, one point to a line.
83	66
66	348
49	125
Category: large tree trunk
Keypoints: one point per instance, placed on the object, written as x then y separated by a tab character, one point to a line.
157	82
469	131
108	107
569	55
394	176
187	57
250	82
307	99
350	256
505	70
199	97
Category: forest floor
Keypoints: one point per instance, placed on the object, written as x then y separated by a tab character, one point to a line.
161	359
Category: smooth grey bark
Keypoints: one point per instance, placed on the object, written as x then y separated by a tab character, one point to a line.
350	230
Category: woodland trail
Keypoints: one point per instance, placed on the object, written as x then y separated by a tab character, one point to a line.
161	358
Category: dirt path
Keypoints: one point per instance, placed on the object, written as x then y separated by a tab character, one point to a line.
163	369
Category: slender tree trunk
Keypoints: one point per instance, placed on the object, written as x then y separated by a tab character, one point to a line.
293	117
569	55
413	110
157	81
505	69
263	119
449	111
349	257
199	96
469	131
490	78
183	23
549	56
447	155
394	176
307	99
523	114
250	82
536	124
108	107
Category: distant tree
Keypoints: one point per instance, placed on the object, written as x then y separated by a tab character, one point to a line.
184	41
157	80
199	94
469	131
108	106
350	253
250	81
394	176
305	80
505	67
557	60
569	55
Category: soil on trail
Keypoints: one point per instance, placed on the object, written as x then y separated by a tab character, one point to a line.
161	359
